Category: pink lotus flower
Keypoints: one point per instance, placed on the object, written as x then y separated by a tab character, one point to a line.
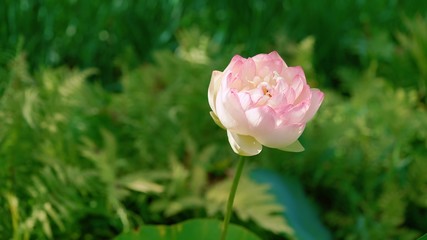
262	101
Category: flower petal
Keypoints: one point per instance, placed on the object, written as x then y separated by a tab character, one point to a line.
268	63
281	137
304	95
244	145
213	88
245	100
316	99
294	113
294	147
268	130
216	120
298	83
247	71
290	73
234	64
261	118
230	111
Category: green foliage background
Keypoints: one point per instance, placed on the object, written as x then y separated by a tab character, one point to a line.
105	126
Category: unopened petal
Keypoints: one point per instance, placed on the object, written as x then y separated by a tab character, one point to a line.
244	145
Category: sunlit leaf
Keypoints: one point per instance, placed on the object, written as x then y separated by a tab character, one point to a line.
139	184
253	201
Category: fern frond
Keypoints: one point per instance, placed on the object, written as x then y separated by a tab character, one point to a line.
252	202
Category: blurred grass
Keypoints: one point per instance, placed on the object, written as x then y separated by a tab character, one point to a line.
104	122
100	34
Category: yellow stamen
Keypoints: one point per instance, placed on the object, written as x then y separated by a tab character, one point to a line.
265	91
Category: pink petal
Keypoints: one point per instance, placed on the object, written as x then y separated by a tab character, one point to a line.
268	130
256	95
281	87
230	111
261	119
245	100
298	84
234	64
239	67
277	100
290	73
304	95
290	96
269	63
280	137
295	113
316	99
260	57
247	70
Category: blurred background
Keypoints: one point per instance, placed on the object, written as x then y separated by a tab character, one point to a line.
105	126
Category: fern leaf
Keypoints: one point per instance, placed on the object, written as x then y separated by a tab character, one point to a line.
252	202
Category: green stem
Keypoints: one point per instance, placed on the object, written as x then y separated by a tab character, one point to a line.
231	197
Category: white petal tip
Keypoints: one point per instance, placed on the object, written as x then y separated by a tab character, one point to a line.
216	119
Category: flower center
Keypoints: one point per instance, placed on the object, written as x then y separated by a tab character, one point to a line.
266	91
